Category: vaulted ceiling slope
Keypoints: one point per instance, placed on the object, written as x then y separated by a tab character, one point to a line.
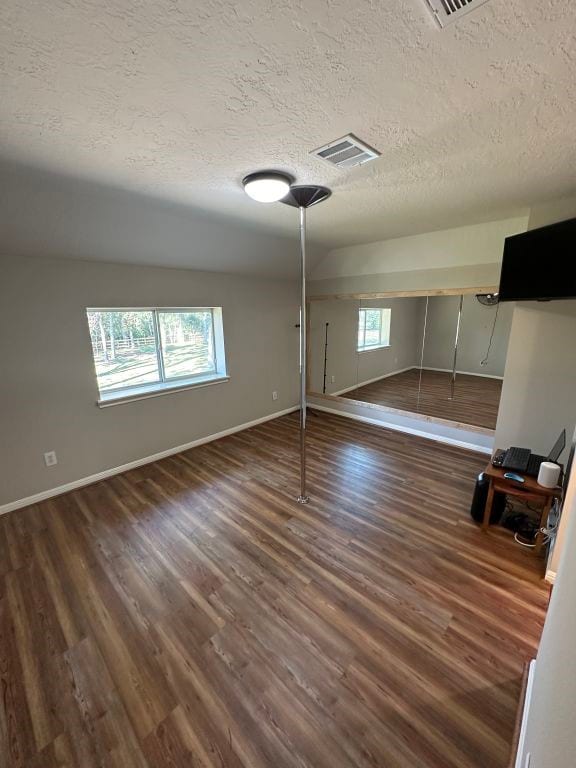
179	99
43	213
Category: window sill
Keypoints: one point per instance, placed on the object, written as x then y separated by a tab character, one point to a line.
156	390
375	347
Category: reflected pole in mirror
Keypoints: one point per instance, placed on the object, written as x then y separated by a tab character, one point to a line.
422	355
325	357
453	380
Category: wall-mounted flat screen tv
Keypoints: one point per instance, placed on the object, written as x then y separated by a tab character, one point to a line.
540	265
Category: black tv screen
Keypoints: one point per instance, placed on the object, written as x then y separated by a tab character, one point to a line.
540	265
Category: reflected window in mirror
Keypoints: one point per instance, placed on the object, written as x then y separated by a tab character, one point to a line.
373	328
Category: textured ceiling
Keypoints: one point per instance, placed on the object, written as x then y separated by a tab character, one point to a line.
179	99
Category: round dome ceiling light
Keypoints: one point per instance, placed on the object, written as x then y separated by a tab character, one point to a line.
267	186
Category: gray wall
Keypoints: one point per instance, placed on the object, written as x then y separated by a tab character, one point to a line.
343	361
550	733
538	395
464	250
475	330
48	388
43	213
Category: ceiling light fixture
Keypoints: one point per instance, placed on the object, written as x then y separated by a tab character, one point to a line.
259	187
267	186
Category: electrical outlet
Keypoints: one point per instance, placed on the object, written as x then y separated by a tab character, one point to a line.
274	395
332	379
50	458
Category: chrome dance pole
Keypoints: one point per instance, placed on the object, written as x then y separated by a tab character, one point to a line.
303	498
303	197
453	381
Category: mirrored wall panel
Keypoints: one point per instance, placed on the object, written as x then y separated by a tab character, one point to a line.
389	372
439	356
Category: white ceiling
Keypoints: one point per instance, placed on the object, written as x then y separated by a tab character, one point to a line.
179	99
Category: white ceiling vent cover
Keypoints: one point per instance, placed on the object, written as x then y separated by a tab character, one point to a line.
346	152
447	11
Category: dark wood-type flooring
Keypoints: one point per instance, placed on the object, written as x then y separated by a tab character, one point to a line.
190	614
476	398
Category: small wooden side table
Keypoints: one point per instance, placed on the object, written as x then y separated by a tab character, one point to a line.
529	490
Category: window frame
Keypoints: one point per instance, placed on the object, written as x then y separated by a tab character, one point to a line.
173	383
380	345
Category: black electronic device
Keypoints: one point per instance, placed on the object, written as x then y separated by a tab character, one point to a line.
498	458
479	501
523	460
516	459
539	265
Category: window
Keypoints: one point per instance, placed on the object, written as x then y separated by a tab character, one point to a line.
139	352
373	328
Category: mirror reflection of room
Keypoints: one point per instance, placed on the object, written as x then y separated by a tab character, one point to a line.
465	346
333	333
357	345
438	356
342	330
389	371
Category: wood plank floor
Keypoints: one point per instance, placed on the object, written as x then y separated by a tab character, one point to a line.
476	398
190	614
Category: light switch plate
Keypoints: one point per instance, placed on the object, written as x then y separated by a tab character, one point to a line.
50	458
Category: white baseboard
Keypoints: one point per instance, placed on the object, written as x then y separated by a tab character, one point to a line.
370	381
408	430
550	577
43	495
520	756
464	373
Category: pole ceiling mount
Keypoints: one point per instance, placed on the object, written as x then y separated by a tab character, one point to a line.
305	195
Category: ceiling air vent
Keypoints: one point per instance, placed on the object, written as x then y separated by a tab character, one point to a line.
447	11
346	152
